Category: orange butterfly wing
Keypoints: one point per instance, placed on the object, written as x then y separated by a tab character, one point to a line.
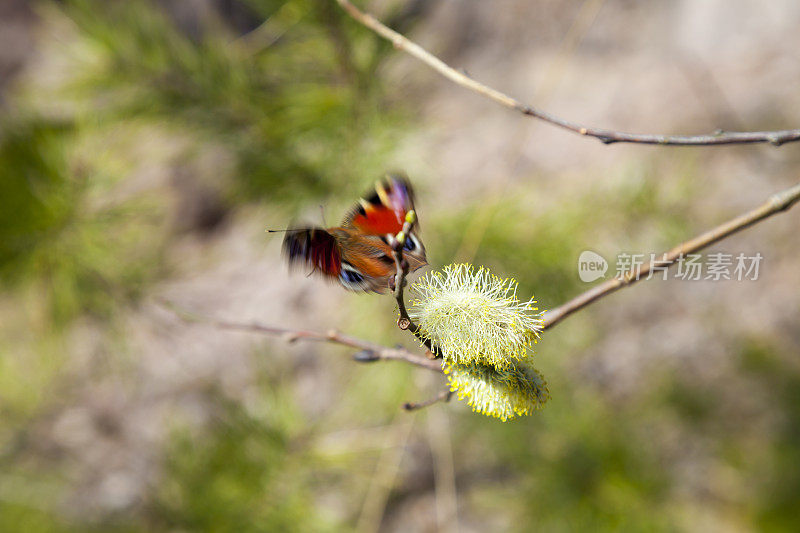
384	211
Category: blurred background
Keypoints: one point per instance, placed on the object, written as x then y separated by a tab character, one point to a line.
145	146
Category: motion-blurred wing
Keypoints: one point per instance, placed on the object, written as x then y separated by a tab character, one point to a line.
384	210
313	247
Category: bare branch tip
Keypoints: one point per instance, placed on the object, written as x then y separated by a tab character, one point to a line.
443	396
462	77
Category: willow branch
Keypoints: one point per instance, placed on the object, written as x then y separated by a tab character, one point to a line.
776	204
369	351
397	284
606	136
443	396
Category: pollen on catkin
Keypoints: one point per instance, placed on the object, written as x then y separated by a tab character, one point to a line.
473	316
517	390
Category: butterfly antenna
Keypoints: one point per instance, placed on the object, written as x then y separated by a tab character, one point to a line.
322	214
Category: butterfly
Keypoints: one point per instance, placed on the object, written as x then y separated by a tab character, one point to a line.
357	253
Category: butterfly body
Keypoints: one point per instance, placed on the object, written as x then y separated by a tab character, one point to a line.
357	253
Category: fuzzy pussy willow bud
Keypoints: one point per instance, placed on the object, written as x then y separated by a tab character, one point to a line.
517	390
472	316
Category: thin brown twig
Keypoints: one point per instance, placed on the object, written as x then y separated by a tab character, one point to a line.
777	203
606	136
399	281
443	396
369	350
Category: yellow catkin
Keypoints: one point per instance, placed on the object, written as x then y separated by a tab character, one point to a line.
518	390
473	316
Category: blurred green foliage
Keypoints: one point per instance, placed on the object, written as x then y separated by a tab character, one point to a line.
87	217
293	101
248	473
38	195
55	238
294	108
